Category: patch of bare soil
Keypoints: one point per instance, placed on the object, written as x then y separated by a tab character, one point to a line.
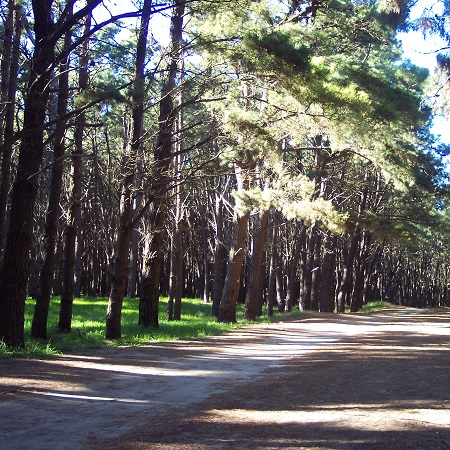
327	382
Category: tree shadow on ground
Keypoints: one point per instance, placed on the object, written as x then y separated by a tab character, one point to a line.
383	391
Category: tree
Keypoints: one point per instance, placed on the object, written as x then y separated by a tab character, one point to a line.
9	79
126	224
39	325
227	310
149	298
257	270
176	244
74	212
15	266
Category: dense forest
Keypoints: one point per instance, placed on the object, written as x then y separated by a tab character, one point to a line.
268	152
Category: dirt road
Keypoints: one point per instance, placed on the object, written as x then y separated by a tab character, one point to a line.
350	382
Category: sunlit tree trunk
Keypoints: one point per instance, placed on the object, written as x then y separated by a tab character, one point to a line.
360	271
230	293
256	267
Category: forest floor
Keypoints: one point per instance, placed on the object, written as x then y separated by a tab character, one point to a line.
325	381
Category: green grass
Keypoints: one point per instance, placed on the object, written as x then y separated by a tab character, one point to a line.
88	326
374	306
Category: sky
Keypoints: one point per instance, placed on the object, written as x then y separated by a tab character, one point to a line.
422	52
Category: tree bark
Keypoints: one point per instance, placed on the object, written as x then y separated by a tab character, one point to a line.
271	290
360	263
205	253
39	324
316	271
9	75
65	312
328	282
149	299
126	226
15	269
220	254
16	262
256	267
347	273
150	288
308	270
176	249
293	265
230	294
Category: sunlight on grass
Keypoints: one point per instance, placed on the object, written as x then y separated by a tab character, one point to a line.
32	349
88	325
375	306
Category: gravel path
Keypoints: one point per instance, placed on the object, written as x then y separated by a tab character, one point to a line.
326	381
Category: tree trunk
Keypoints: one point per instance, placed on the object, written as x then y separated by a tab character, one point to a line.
150	288
205	253
80	276
176	250
149	300
293	265
345	289
256	267
347	271
360	263
39	325
279	285
9	74
133	275
328	282
7	41
126	226
65	313
220	254
308	271
16	262
303	268
230	294
271	290
316	272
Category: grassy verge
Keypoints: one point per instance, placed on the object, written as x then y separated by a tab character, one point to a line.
374	306
88	326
